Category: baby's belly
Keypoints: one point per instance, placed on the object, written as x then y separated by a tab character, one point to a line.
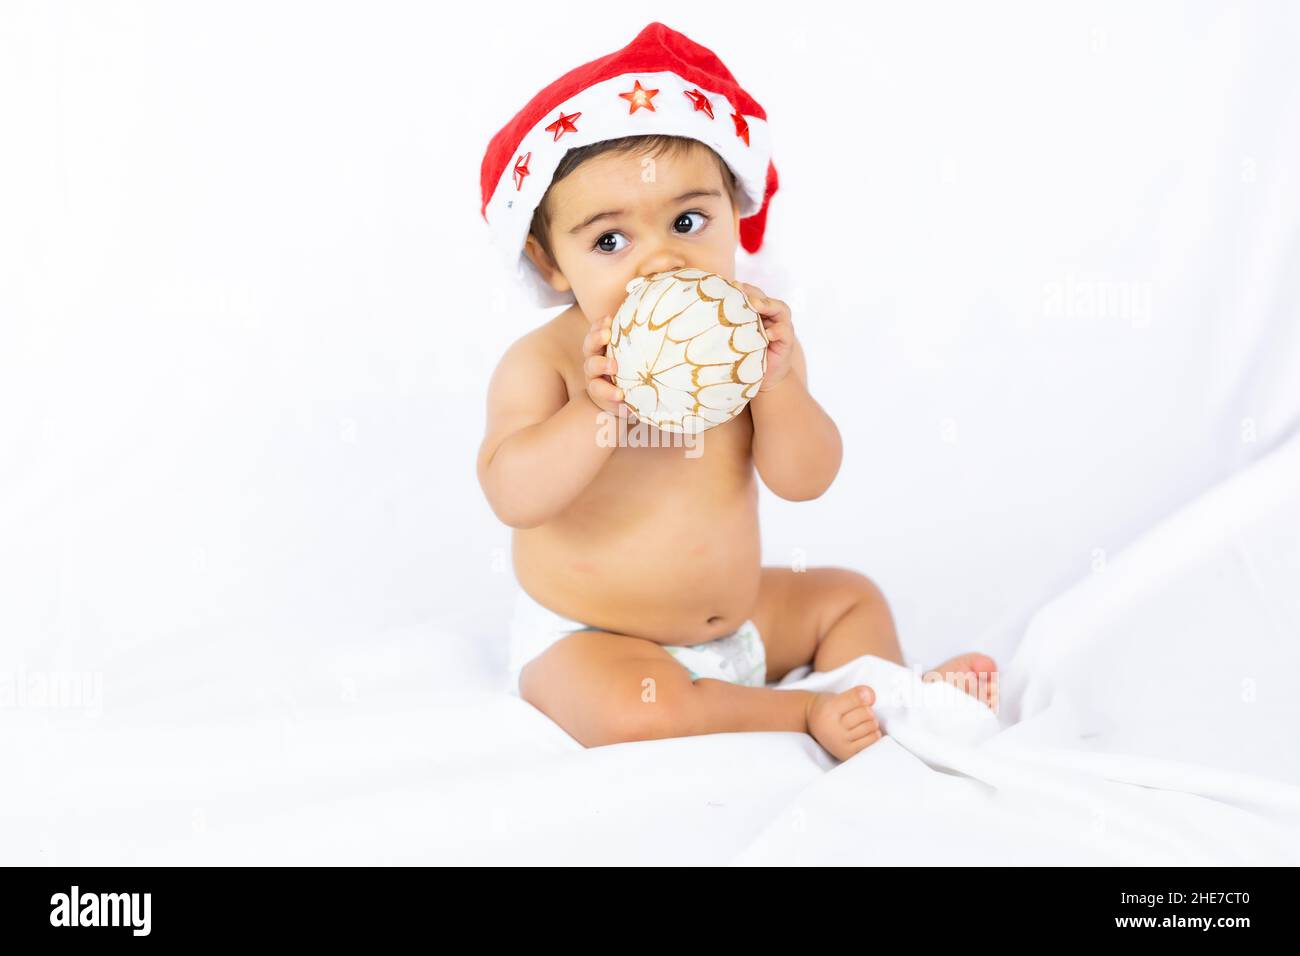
676	572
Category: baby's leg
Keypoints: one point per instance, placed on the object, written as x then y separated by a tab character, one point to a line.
605	688
829	616
824	617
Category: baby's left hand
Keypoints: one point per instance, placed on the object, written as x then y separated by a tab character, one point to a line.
779	326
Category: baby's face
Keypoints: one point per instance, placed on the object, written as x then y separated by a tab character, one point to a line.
623	215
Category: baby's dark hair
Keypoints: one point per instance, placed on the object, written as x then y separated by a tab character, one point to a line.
649	144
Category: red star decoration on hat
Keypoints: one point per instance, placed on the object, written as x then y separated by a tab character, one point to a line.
701	101
639	97
742	128
563	125
521	170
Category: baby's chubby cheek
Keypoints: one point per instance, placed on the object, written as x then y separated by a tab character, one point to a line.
596	303
610	305
725	267
609	300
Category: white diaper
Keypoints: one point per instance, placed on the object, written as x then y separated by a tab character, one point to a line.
738	658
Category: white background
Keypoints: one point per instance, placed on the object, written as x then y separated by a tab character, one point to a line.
248	310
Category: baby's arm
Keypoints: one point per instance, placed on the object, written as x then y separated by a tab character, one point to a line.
797	448
540	449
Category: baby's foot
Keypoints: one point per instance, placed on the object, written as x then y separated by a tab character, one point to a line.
844	723
976	674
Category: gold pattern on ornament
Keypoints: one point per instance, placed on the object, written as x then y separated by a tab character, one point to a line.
646	305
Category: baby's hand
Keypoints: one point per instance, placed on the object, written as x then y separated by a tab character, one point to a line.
844	723
600	369
779	328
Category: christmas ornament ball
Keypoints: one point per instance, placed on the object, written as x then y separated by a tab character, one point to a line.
690	351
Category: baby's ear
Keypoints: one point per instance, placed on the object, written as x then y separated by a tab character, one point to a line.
553	276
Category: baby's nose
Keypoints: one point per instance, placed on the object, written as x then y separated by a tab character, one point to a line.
661	262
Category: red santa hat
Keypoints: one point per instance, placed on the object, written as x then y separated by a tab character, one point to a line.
661	83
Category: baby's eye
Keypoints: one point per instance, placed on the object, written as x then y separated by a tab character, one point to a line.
602	245
686	218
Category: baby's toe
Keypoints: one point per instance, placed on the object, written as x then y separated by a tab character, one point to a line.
976	674
858	715
855	697
861	725
963	663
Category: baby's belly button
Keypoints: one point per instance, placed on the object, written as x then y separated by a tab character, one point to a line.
692	617
695	592
668	612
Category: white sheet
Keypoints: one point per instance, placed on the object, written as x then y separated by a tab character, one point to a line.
1151	711
1125	737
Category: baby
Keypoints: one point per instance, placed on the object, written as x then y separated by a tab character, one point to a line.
645	611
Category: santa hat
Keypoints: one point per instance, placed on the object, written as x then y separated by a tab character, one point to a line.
660	83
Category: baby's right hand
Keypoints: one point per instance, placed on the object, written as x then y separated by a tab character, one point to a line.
600	369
